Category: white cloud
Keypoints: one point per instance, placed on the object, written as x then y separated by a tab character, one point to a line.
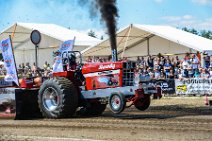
203	2
188	21
178	18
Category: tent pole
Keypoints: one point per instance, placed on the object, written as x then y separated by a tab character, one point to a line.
125	45
13	33
202	60
148	46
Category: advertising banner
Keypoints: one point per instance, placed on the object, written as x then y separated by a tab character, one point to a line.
66	46
199	86
9	61
167	85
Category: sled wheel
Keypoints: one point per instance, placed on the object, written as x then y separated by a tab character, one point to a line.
117	103
93	109
143	103
57	98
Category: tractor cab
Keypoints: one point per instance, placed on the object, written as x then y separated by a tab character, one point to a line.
69	60
72	67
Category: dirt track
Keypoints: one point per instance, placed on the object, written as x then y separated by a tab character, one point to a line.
175	119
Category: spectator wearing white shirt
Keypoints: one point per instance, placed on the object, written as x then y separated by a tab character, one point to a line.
185	65
157	73
195	62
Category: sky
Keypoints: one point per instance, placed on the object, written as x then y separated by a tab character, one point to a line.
74	15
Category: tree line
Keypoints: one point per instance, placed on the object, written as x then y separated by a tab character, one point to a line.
204	33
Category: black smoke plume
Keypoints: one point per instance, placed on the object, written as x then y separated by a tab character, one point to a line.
109	14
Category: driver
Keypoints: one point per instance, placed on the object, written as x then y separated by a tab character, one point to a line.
72	61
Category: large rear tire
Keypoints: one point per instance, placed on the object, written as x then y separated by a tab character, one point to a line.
93	109
143	103
57	98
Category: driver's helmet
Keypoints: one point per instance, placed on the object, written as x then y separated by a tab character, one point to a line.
72	57
56	53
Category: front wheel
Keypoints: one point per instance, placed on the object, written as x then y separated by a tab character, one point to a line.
143	103
117	103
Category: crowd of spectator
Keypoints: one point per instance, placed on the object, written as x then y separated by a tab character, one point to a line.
150	67
167	67
25	70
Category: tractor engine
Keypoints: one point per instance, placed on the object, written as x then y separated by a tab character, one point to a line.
108	74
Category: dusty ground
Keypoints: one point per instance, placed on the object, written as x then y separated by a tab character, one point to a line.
168	119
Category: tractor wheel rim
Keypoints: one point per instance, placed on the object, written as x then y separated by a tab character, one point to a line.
50	99
116	102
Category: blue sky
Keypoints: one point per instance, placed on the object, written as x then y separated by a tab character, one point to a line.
68	13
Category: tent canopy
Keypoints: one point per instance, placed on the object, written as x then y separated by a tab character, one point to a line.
136	35
20	33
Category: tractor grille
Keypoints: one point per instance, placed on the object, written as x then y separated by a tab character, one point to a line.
128	73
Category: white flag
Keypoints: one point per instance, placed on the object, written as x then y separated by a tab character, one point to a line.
66	46
9	61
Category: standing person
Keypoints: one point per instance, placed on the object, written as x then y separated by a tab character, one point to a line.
138	62
162	74
157	73
194	62
207	61
27	66
45	65
34	68
142	74
22	66
171	74
143	61
155	61
185	66
177	62
162	60
150	62
167	67
190	72
179	74
20	70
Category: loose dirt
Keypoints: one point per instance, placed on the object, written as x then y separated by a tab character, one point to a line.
167	119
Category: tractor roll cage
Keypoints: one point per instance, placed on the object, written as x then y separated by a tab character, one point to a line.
68	55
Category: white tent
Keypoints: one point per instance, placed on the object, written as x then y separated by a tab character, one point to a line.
142	40
51	37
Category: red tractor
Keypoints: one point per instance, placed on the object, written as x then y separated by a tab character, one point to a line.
87	88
